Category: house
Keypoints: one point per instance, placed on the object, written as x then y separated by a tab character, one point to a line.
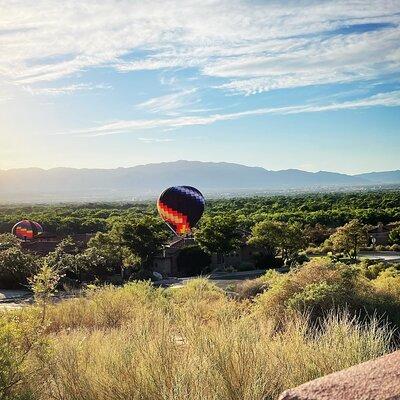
46	243
167	261
380	234
245	256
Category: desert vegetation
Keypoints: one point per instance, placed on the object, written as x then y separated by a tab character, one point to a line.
287	228
195	342
323	311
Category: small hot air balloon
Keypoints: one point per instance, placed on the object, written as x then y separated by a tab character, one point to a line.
181	207
27	230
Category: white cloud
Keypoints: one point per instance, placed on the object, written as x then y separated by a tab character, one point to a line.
389	99
65	89
170	103
155	140
252	46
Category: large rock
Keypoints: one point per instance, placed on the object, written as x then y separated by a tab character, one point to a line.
378	379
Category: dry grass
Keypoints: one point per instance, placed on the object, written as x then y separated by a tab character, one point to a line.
191	343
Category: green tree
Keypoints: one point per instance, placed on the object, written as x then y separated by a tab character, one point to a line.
44	286
7	240
278	237
108	247
350	237
143	237
16	267
394	235
219	234
64	259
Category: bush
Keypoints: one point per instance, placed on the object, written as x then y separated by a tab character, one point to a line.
16	267
250	288
395	247
322	285
372	269
162	353
21	336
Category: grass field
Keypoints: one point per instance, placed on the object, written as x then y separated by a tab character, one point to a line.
139	342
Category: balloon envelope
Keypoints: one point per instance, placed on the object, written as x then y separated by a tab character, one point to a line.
27	229
181	207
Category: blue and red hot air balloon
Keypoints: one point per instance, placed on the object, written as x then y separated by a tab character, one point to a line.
181	207
27	230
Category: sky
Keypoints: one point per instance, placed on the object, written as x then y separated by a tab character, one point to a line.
313	85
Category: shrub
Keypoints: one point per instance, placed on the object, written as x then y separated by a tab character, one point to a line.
395	247
249	288
105	307
394	235
16	267
372	269
160	357
322	285
21	335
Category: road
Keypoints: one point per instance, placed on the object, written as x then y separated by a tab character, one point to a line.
388	256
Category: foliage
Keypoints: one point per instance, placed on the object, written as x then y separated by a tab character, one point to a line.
192	342
7	240
16	266
350	237
64	258
287	239
322	285
44	283
329	209
394	235
219	234
317	234
21	335
141	237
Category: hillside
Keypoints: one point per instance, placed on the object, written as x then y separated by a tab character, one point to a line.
58	184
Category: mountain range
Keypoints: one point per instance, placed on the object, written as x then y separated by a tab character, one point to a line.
146	181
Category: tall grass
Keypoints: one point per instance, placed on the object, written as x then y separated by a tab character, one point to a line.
138	342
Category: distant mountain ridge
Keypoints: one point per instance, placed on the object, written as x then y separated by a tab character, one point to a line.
70	184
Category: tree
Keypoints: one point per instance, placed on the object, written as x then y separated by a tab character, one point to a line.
219	234
394	235
7	240
278	237
350	237
267	235
64	259
143	237
316	234
16	267
109	248
44	286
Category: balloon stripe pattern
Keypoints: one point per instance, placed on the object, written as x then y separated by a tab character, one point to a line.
27	229
181	207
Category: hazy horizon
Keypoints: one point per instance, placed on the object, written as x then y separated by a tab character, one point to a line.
193	161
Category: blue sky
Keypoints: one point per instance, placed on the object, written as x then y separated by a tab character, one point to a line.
313	85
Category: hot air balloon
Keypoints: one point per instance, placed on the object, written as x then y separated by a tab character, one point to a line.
27	230
181	207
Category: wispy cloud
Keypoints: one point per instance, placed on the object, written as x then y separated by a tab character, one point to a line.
252	47
170	103
65	89
155	140
389	99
